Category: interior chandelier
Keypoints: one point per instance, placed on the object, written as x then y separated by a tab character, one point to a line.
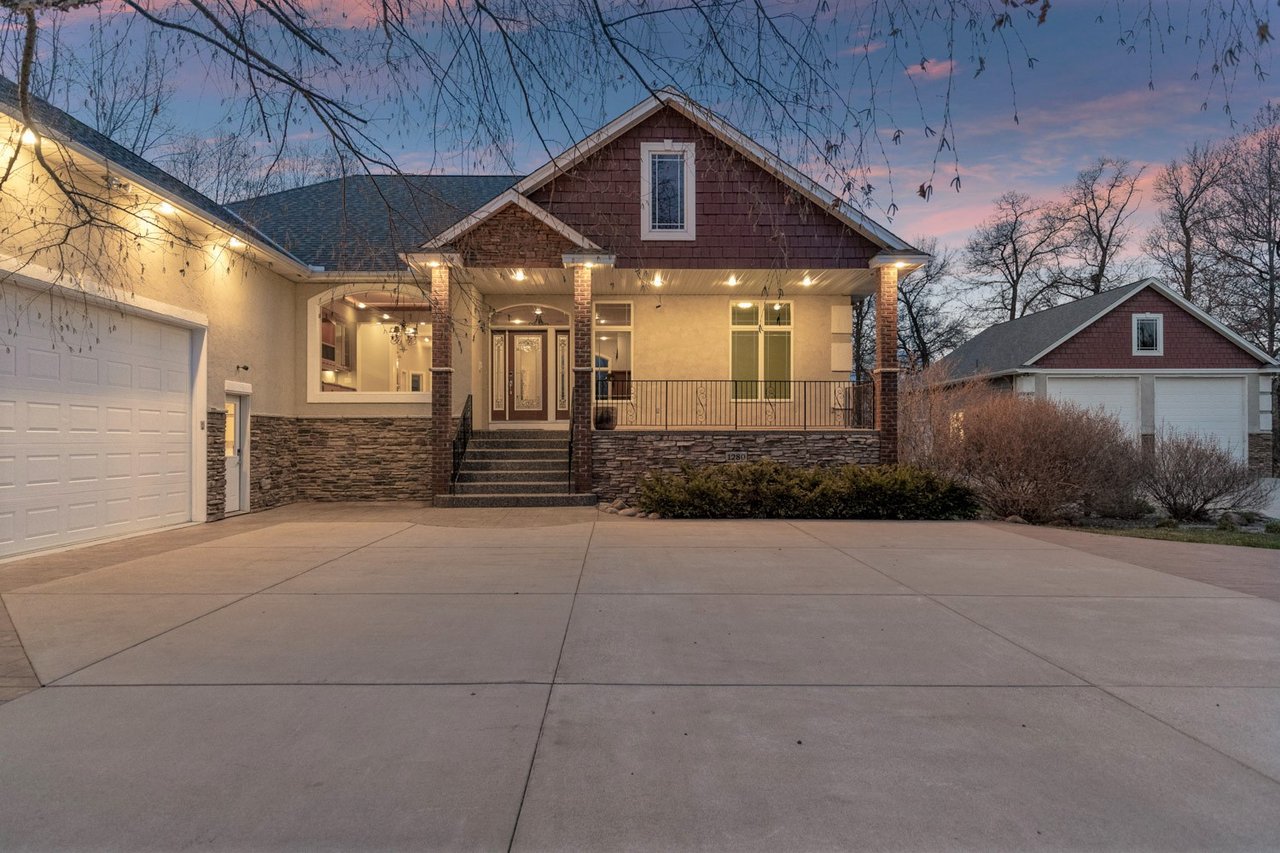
403	334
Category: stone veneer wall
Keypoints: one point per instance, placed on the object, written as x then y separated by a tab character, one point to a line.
620	458
363	459
273	471
1262	454
216	433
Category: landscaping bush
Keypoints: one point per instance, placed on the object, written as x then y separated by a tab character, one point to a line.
1191	477
1034	458
771	490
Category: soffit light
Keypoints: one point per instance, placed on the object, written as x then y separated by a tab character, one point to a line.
29	137
519	275
657	279
386	316
361	306
235	243
165	209
806	281
733	281
900	264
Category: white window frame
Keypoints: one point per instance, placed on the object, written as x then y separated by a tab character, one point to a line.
314	394
760	328
686	150
595	343
1159	318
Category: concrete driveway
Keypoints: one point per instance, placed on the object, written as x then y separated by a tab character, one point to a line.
406	678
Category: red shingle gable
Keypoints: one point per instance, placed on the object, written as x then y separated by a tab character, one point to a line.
746	217
1107	343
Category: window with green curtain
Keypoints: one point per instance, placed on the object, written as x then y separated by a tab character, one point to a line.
745	365
777	365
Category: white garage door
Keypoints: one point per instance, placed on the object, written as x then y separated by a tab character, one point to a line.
1116	395
1211	406
95	441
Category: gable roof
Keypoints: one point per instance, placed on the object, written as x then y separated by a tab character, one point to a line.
66	129
364	222
496	204
1018	344
721	129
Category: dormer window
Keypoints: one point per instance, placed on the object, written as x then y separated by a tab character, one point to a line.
666	190
1148	334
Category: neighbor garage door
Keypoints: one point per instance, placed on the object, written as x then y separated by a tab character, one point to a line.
95	440
1116	395
1211	406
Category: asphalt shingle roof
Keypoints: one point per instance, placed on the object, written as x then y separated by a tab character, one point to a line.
362	222
50	119
1010	345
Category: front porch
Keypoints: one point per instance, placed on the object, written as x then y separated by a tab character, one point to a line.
688	357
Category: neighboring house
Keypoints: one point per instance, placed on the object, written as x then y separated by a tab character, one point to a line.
1143	354
340	341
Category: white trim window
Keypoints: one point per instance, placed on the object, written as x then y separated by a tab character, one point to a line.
760	349
1148	334
667	196
612	350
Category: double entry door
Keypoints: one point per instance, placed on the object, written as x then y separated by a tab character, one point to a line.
530	377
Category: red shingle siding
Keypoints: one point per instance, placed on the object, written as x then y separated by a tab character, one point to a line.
513	238
1108	342
745	217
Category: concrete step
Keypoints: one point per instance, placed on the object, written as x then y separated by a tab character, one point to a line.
504	500
518	443
520	433
525	487
508	453
514	465
467	475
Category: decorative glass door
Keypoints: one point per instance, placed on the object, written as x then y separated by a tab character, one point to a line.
520	358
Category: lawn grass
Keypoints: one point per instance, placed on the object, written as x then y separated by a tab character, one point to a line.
1208	537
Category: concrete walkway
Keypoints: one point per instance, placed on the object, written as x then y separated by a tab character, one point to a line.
398	677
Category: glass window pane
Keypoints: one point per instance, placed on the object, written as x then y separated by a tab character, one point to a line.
745	364
778	314
777	365
229	435
613	313
612	365
1147	337
666	206
746	314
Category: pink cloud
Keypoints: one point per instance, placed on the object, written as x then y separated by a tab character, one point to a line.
931	69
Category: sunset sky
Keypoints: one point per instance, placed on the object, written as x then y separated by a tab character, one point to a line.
1086	97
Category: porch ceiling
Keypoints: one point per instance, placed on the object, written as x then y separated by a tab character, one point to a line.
675	282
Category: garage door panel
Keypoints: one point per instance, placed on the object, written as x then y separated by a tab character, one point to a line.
1115	395
99	440
1210	406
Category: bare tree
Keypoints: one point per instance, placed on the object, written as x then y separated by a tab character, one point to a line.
1009	259
928	324
1246	231
1180	244
229	167
1095	228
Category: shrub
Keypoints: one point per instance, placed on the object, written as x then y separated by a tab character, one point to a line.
1191	477
1272	527
771	490
1033	458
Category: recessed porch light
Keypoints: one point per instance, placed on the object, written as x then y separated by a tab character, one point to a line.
900	264
386	316
806	281
733	281
518	275
29	137
657	279
361	306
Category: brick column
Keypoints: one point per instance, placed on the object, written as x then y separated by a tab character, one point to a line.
441	381
886	370
582	369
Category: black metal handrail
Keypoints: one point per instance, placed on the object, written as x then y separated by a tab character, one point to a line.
571	457
460	440
738	404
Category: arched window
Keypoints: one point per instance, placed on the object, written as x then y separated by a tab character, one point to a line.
529	315
369	346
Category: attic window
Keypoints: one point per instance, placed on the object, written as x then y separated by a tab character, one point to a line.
666	191
1148	334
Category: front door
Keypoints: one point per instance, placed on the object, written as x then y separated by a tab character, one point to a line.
520	375
237	430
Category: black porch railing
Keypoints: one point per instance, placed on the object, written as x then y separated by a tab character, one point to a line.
736	404
460	441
